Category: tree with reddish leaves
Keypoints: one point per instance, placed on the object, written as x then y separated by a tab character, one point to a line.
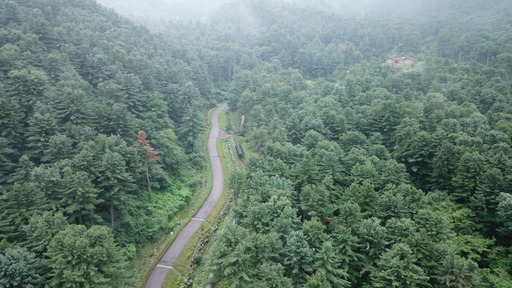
150	154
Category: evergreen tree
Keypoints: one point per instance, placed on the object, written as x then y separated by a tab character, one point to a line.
328	271
80	197
457	272
80	257
42	125
505	213
11	125
115	181
18	204
315	202
172	154
20	268
71	103
41	229
298	257
396	268
23	172
271	275
27	86
6	164
191	124
468	172
59	147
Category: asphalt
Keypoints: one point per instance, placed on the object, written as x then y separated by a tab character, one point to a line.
157	277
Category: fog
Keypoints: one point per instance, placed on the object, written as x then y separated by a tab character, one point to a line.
200	10
158	10
156	13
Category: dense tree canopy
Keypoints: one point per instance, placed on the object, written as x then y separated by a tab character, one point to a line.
77	83
359	173
398	172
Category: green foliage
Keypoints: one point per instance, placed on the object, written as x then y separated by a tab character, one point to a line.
315	202
18	205
468	173
364	195
80	257
504	212
27	86
236	183
459	272
327	264
191	125
41	229
298	256
80	197
419	157
114	180
396	268
77	82
172	155
20	268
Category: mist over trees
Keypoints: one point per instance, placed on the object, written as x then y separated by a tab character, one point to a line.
359	173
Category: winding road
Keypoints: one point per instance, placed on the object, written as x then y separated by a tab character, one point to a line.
157	277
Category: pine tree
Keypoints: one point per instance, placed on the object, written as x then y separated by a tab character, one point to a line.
17	206
396	268
11	125
59	147
80	197
41	229
328	271
78	257
298	257
457	272
27	86
20	268
315	202
114	180
42	125
23	171
468	174
191	124
6	163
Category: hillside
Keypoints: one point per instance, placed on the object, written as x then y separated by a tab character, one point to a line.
86	100
359	174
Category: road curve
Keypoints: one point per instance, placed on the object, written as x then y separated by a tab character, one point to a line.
157	277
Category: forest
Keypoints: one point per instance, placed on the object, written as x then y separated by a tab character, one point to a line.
359	173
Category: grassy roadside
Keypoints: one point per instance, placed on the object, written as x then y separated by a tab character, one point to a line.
191	255
222	120
148	256
224	197
235	119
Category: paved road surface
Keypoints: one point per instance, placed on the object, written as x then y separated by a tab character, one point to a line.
157	277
